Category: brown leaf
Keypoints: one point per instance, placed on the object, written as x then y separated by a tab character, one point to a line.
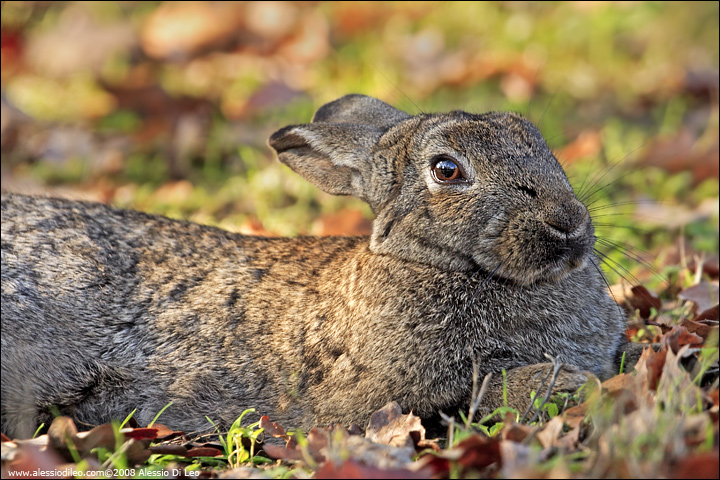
437	465
633	298
514	431
252	226
574	416
709	314
618	382
710	266
203	452
649	368
140	433
317	439
389	426
62	436
702	326
277	452
550	433
704	295
704	465
642	299
30	458
166	433
587	144
136	452
102	436
679	337
180	30
353	470
276	431
715	397
479	452
655	364
682	153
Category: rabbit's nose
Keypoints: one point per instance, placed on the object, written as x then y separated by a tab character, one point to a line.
568	219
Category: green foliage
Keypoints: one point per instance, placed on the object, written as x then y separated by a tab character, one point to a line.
236	452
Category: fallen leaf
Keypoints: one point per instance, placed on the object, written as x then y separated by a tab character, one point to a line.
551	432
649	368
181	30
140	433
203	452
278	452
712	314
587	144
388	426
710	266
702	326
704	465
353	470
574	416
62	435
165	433
479	452
275	430
252	226
102	436
636	298
679	337
683	152
705	295
618	382
29	459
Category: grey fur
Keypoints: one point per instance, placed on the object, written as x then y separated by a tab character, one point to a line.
105	310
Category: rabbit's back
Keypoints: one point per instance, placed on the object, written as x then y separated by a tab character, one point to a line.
118	309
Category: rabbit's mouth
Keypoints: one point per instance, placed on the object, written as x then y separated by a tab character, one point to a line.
529	251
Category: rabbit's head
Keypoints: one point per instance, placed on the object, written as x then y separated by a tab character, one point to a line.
458	191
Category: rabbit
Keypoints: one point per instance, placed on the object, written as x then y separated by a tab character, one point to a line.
480	257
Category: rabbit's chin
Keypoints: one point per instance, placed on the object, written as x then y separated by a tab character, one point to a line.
555	272
551	272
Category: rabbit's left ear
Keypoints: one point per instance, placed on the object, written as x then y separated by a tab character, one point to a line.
361	110
336	151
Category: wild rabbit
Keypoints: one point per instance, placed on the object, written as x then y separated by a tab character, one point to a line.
480	253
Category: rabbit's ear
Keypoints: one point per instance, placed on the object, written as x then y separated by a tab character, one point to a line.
362	110
334	157
335	152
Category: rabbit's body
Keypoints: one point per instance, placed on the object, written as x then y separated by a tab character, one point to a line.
105	310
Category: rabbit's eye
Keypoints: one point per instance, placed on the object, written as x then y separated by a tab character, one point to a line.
446	170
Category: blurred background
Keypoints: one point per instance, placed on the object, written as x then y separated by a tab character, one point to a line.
166	106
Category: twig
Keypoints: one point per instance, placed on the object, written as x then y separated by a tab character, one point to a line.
476	402
556	370
529	408
451	428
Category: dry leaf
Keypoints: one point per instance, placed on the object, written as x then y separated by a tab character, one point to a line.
704	295
636	298
203	452
388	426
351	469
